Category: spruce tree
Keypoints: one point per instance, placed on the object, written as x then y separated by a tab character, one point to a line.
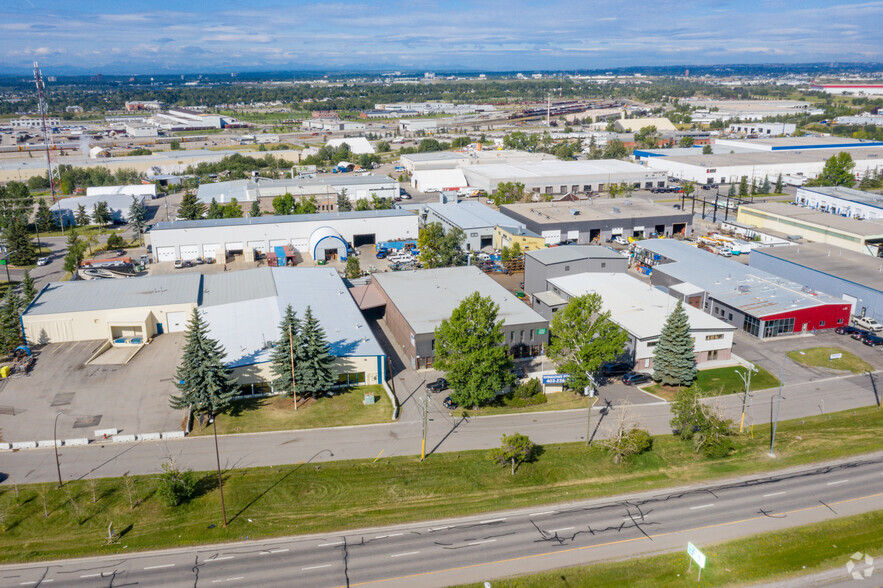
779	184
290	340
732	191
10	323
81	217
765	187
673	359
28	290
204	381
18	243
314	374
255	209
191	208
743	186
215	210
43	220
101	213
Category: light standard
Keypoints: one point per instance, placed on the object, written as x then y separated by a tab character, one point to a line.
746	379
218	458
55	446
778	404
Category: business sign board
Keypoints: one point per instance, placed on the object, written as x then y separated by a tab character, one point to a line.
697	555
556	378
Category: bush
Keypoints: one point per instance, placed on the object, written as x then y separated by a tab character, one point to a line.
175	486
530	388
513	401
115	242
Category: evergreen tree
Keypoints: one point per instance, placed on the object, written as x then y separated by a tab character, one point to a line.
28	290
81	217
215	210
255	210
101	213
138	217
191	208
353	270
10	323
290	340
76	249
343	201
732	191
674	363
743	186
15	202
44	220
314	374
204	381
765	187
779	186
18	243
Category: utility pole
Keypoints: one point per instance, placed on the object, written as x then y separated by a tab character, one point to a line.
747	382
55	446
220	479
425	422
778	404
714	213
291	356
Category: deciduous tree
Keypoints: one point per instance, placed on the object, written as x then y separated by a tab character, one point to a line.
439	248
515	450
837	172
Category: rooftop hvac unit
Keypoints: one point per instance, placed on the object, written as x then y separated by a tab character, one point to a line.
574	212
616	210
743	289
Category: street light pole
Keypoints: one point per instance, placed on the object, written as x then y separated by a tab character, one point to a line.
778	404
425	419
220	479
747	382
55	446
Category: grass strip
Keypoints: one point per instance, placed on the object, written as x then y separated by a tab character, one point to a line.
766	557
821	357
719	382
310	497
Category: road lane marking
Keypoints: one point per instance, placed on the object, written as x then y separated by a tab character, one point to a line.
837	482
219	558
703	506
439	528
157	567
317	567
331	544
599	545
480	542
90	576
774	494
556	530
402	554
228	579
275	551
537	514
488	522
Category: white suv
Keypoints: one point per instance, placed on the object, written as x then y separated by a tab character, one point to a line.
867	323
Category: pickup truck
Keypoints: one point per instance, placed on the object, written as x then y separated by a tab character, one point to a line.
867	323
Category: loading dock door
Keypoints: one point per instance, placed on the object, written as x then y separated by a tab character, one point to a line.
260	246
165	254
234	247
368	239
210	251
189	251
177	322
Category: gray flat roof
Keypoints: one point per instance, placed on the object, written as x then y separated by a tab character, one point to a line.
753	291
95	295
269	220
862	228
849	194
589	210
833	261
427	297
554	169
726	159
567	253
549	298
471	215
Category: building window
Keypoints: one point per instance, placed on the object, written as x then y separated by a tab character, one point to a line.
603	264
730	316
712	355
713	337
778	327
839	321
751	326
521	337
567	268
351	379
652	343
821	323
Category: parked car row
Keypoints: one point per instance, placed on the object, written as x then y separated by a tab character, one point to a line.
666	189
867	337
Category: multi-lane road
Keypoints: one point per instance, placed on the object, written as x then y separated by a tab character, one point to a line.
469	549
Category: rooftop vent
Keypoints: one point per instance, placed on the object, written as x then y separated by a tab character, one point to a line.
616	210
574	212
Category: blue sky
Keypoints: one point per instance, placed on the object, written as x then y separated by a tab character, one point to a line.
124	36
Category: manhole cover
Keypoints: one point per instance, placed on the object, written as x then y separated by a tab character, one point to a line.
87	421
62	398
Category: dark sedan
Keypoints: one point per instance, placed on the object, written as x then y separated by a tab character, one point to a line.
635	378
873	341
846	330
448	403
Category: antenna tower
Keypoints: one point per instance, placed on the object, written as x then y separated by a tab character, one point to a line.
47	139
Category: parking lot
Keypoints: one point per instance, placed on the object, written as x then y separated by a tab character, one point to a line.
132	398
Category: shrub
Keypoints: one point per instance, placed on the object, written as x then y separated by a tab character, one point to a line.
514	401
175	486
115	242
530	388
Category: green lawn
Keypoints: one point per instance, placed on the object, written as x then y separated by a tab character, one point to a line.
820	357
277	413
719	382
555	401
309	498
794	552
83	231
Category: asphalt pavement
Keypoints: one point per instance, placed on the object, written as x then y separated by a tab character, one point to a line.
472	549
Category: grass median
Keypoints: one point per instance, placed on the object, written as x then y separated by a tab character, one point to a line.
821	357
761	558
332	496
719	382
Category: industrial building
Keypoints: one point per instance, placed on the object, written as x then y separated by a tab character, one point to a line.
641	311
563	177
763	129
147	191
458	159
477	221
438	180
862	236
600	220
416	302
242	310
321	236
841	201
856	278
117	204
358	145
355	187
759	303
510	234
632	125
542	265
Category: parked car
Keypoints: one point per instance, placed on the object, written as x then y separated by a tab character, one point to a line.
382	253
846	330
635	378
150	249
179	264
867	323
145	260
619	240
615	368
44	260
198	261
860	334
438	385
448	403
873	341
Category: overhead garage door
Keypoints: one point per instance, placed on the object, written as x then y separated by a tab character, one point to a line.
368	239
189	251
210	251
278	243
165	254
302	245
234	246
260	246
177	322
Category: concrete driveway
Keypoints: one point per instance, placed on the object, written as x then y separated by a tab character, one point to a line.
132	398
